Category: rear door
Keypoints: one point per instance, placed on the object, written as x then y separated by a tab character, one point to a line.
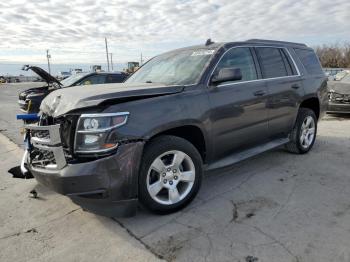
284	88
238	108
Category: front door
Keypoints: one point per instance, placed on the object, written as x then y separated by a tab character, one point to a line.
238	108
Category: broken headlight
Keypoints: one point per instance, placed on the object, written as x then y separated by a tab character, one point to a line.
94	133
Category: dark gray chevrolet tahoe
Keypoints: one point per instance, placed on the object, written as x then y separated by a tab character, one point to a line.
189	110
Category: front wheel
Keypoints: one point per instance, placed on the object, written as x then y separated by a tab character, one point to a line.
170	174
303	135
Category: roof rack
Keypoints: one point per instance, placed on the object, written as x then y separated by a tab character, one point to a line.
274	42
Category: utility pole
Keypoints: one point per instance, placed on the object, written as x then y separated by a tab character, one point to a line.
111	54
107	53
141	60
48	56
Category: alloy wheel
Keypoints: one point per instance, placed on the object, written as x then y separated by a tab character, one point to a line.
170	177
307	132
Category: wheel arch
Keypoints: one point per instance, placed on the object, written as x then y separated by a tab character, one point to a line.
193	133
312	103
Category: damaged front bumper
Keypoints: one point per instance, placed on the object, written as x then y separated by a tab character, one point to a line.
338	108
107	186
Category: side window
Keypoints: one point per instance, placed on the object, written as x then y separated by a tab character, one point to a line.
93	80
239	58
271	62
288	63
116	78
310	61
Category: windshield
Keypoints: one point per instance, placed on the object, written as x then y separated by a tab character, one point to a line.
72	79
175	68
346	78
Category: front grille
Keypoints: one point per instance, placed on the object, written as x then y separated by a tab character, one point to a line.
51	142
339	98
23	104
22	96
67	131
42	134
40	158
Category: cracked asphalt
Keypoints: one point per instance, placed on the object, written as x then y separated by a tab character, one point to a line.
273	207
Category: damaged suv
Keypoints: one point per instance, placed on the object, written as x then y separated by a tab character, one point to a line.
189	110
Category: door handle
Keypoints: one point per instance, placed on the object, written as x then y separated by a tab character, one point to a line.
259	93
295	86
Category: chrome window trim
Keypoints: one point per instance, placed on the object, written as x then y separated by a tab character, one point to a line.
255	80
295	64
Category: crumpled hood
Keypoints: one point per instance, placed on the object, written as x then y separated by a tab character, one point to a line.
62	101
339	87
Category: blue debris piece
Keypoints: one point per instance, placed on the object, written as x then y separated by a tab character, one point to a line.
27	117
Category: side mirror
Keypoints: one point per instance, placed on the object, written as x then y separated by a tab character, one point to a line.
227	74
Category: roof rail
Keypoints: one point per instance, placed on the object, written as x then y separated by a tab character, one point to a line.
275	42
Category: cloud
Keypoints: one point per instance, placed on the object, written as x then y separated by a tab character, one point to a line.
74	31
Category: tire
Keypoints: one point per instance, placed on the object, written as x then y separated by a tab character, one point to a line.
297	145
167	185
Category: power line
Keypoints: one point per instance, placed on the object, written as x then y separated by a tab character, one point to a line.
107	53
48	60
111	60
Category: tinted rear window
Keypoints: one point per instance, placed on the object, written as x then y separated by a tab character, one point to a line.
271	62
309	59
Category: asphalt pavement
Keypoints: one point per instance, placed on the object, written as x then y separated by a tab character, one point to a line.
9	108
274	207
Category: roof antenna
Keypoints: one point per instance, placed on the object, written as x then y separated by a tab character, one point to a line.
209	42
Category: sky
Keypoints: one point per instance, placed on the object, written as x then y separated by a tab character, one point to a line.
74	31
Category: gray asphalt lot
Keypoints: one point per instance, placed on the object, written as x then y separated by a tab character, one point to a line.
9	126
273	207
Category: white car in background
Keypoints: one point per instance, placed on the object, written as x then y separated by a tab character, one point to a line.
339	76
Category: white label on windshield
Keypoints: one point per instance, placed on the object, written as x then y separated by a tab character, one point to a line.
203	52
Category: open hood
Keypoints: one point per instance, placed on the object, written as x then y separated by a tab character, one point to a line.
62	101
49	79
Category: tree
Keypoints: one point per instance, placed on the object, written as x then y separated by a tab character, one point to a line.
334	55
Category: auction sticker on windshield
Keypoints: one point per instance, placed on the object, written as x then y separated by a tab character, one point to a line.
203	52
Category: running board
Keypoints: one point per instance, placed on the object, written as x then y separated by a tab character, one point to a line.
237	157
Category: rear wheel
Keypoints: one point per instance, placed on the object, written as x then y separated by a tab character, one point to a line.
303	135
170	174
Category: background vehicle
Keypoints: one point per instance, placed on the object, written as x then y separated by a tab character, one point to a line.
339	95
132	67
185	111
30	99
339	76
332	72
